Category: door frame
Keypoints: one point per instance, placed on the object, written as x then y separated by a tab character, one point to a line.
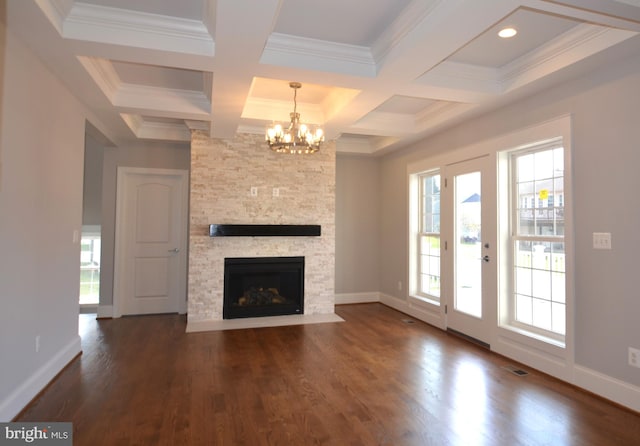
122	192
482	330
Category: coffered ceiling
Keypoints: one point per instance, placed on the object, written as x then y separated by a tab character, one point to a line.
376	74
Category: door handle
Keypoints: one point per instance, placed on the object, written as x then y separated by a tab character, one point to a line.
486	258
174	250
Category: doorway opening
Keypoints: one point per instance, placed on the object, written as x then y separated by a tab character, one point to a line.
89	268
90	239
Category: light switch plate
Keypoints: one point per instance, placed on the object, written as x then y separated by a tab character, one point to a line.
601	240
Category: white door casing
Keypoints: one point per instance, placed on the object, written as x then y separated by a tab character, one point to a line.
151	241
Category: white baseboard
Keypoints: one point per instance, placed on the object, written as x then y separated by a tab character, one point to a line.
357	298
418	311
24	393
551	360
105	311
607	387
261	322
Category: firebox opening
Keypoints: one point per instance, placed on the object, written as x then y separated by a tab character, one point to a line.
263	286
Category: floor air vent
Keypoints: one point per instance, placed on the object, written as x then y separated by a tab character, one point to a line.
408	321
515	370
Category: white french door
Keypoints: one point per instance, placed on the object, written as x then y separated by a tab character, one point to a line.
470	222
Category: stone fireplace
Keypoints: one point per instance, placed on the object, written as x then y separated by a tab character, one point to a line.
242	182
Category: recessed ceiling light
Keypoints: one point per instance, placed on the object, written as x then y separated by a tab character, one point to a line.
506	33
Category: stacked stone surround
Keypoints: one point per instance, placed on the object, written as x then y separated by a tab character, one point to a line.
222	175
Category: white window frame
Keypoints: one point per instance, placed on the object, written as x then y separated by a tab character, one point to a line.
511	320
427	309
421	234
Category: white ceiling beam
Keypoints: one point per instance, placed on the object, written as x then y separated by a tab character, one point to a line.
238	53
312	54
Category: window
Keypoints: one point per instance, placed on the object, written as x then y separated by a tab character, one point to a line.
89	269
428	242
537	244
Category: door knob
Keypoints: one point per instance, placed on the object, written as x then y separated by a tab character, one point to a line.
485	258
174	250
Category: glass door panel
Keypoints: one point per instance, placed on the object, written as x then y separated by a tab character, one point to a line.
468	248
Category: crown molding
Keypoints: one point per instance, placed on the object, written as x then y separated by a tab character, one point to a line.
132	28
56	11
627	10
354	145
103	74
406	22
133	121
165	132
314	54
384	124
635	3
209	15
189	104
576	44
156	130
207	85
439	113
197	125
461	76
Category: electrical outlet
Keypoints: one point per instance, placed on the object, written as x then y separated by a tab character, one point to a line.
634	357
37	343
254	191
276	192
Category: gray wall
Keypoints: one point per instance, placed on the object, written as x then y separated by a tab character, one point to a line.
41	144
150	155
357	224
605	108
92	182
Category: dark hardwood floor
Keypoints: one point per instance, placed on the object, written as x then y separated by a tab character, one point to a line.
372	380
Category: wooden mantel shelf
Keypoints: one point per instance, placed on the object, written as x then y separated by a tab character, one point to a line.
233	230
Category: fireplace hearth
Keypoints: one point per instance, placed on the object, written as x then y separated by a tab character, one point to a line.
263	286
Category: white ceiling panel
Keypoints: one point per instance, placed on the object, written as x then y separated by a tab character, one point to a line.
186	9
534	29
347	22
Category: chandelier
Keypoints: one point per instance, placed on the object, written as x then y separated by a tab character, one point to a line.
298	138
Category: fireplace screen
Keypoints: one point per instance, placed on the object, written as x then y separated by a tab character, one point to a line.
263	286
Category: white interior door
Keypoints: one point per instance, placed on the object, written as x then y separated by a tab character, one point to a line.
471	301
151	241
